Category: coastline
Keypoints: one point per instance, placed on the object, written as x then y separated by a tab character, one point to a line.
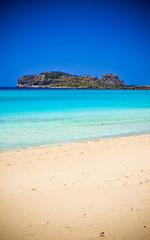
77	191
70	142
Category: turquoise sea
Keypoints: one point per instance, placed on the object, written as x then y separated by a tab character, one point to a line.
35	117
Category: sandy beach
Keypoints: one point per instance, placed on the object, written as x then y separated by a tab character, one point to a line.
98	189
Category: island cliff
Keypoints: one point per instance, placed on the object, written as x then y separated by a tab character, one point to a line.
57	79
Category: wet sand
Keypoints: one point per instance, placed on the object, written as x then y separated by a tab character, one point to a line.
90	190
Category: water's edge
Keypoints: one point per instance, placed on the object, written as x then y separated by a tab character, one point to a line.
41	146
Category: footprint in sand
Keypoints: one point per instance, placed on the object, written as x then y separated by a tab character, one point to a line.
90	205
45	223
66	226
125	184
29	162
125	176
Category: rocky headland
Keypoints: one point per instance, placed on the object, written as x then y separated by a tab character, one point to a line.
57	79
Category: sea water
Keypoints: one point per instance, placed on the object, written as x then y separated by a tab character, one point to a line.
35	117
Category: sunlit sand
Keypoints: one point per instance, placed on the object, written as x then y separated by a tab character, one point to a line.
97	189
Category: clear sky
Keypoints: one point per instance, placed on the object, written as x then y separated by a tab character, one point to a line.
77	37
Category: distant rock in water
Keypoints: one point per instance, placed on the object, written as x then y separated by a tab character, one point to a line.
57	79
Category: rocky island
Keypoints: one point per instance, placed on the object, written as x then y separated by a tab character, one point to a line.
57	79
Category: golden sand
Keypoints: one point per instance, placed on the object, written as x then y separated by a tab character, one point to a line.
91	190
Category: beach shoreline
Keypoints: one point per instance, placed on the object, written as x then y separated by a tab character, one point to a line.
92	189
36	147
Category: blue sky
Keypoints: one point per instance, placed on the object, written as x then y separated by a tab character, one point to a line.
77	37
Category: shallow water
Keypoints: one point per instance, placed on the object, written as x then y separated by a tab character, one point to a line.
33	117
